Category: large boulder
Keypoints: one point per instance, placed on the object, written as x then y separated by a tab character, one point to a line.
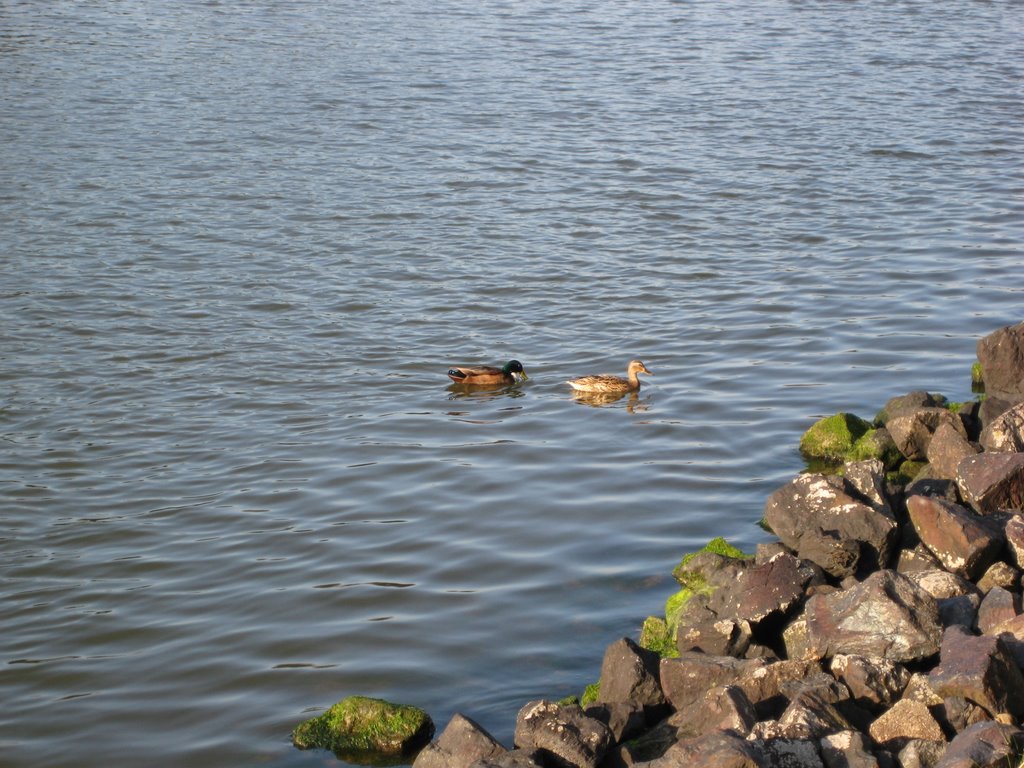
462	743
563	733
906	720
719	749
913	432
366	728
887	616
873	682
987	744
832	438
948	447
1001	355
992	481
963	541
980	669
821	521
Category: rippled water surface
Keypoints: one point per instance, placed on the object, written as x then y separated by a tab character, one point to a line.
240	244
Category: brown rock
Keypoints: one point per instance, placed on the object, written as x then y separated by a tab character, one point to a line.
904	405
873	682
979	669
913	432
462	743
1005	433
999	574
991	481
629	673
720	749
815	517
847	749
921	754
948	447
1001	355
905	720
1015	539
563	733
958	537
811	715
984	745
887	615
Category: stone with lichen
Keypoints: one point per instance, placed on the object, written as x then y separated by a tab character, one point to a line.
364	726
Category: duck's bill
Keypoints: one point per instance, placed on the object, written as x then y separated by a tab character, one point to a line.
522	377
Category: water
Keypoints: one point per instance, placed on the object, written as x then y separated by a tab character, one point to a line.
241	244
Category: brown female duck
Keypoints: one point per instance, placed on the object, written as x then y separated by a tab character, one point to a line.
610	384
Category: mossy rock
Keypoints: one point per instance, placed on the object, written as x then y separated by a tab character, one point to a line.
655	636
367	728
674	607
718	546
907	471
876	444
590	694
832	438
977	377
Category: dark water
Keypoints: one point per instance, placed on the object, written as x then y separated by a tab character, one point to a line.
241	243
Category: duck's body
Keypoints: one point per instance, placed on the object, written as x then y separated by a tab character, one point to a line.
607	383
510	373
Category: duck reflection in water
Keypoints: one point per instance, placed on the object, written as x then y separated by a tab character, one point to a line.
600	399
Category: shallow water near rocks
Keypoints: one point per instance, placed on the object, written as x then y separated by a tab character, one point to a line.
242	244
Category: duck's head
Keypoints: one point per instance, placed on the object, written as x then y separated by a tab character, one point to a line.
514	369
635	366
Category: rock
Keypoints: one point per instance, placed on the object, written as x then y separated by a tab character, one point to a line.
984	745
462	743
907	404
1014	531
999	574
781	752
720	749
904	721
655	636
998	606
958	537
866	479
1001	355
961	609
686	679
913	432
957	714
991	481
360	725
629	673
811	716
948	447
563	734
847	749
992	408
979	669
723	708
876	444
832	438
942	584
824	524
921	754
515	758
887	616
624	719
873	682
1005	433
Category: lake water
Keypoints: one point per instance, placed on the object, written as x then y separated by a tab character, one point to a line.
240	245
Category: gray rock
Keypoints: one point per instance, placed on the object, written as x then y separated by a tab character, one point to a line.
1001	355
815	517
515	758
979	669
624	719
921	754
563	734
887	616
962	541
961	609
462	743
984	745
992	481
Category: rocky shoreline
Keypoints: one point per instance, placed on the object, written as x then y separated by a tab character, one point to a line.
884	627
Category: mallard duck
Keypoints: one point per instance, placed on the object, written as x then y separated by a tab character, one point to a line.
510	373
608	383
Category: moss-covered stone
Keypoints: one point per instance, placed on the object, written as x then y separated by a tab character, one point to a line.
361	725
590	694
876	444
906	472
977	376
832	438
718	546
654	636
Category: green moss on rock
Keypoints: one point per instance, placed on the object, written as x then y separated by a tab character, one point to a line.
654	636
590	694
359	724
876	444
833	438
976	374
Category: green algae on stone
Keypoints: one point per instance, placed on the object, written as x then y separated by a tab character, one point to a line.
832	438
718	546
977	377
655	636
590	694
361	725
876	444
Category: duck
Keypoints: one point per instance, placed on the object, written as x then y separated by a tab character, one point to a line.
510	373
606	383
